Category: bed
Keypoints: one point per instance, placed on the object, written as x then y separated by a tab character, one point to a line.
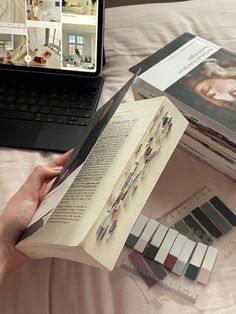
53	286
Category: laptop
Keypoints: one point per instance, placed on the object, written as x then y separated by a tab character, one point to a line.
51	57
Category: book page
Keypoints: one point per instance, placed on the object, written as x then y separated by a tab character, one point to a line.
84	187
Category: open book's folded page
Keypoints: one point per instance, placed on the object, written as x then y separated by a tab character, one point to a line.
93	219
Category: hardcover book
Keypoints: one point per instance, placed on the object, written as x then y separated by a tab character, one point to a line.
91	207
200	79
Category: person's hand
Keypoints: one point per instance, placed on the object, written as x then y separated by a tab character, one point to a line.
20	210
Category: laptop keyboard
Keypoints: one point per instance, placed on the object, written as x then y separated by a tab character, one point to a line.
48	105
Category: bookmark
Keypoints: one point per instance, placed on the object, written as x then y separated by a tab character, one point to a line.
183	229
202	235
146	235
224	210
136	231
207	265
153	248
206	222
216	217
196	261
175	251
166	245
184	257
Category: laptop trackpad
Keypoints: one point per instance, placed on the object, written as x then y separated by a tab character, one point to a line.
22	134
56	137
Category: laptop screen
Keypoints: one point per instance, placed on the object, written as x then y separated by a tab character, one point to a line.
52	36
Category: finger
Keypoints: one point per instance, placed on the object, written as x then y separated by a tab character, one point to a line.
61	160
38	177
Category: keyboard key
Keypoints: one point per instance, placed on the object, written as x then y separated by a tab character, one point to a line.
83	121
11	98
66	103
54	94
43	101
12	107
72	122
45	109
21	99
54	102
34	108
3	105
60	119
56	110
16	115
40	117
23	107
11	91
32	100
50	118
84	114
43	93
67	111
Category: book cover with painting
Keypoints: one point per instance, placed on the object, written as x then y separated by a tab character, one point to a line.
200	78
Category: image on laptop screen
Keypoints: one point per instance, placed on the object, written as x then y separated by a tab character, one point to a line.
46	35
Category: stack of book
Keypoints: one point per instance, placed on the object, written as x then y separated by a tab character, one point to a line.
200	79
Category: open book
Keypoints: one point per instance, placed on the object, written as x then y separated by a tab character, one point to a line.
92	207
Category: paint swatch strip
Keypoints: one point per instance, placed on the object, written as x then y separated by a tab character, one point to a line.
156	241
184	257
216	217
196	261
136	231
224	210
175	251
146	235
166	246
207	265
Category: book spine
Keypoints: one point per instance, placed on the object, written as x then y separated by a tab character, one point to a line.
146	90
207	156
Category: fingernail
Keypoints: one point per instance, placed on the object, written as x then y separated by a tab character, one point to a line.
70	151
58	169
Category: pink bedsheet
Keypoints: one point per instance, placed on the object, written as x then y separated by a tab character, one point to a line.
53	286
